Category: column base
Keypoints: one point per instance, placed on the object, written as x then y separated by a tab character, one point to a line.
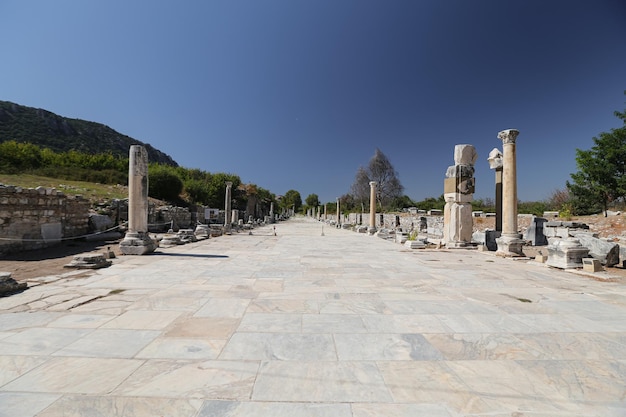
371	230
460	245
137	243
510	246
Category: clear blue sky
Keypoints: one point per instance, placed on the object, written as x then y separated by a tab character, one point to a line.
297	94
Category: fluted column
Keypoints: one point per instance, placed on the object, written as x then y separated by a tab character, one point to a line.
338	214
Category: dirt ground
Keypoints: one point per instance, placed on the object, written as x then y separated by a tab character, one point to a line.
51	261
28	265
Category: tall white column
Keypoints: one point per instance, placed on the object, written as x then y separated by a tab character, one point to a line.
338	214
227	206
510	244
372	228
137	241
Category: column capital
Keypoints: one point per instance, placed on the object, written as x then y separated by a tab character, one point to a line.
373	183
229	183
508	136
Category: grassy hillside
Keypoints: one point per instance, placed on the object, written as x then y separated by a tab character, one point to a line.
91	191
61	134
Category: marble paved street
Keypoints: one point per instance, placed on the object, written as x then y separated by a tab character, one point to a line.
309	325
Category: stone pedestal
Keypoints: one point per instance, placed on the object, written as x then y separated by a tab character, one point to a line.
137	241
566	253
510	246
458	193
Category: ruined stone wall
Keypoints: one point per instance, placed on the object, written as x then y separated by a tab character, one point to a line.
407	222
33	218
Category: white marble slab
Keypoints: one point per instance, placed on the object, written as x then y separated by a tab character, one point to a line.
272	409
24	404
280	346
143	320
320	382
181	348
223	307
183	379
40	341
109	343
374	347
75	375
81	406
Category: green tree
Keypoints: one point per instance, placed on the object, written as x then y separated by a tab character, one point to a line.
312	200
291	199
164	183
388	186
601	176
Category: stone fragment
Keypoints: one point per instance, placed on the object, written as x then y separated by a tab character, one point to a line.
9	286
89	261
534	233
605	252
591	265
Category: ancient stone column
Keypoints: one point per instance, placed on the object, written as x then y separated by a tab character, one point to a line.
495	163
458	193
272	212
372	228
227	207
325	211
137	240
338	214
510	243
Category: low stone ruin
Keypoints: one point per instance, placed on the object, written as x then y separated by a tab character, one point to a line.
10	286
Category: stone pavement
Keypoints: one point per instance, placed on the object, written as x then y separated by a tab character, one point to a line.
305	325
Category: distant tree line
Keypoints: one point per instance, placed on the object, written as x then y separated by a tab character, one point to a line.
174	184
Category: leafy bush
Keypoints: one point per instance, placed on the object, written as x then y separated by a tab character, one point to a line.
164	183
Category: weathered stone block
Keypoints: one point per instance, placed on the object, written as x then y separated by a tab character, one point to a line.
607	253
591	265
566	253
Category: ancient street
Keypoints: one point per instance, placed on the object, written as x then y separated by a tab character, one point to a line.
315	322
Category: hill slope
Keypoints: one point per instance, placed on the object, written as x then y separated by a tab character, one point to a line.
61	134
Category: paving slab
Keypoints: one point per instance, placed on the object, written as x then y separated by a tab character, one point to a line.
302	324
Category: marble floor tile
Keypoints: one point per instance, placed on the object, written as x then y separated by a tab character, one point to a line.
81	321
391	347
179	348
320	382
430	382
275	323
109	343
75	375
211	328
353	307
404	323
592	381
40	341
16	321
81	406
272	409
24	404
477	346
168	303
223	307
401	410
569	346
508	382
284	306
143	320
231	380
332	323
12	367
280	346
